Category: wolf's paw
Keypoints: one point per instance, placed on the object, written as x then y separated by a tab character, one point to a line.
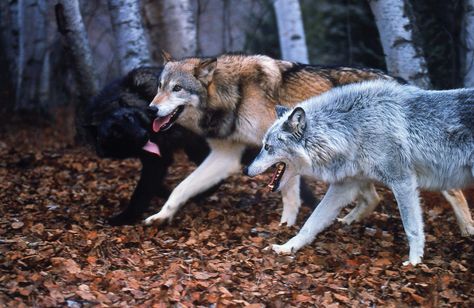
288	218
346	220
412	261
356	215
282	249
467	230
157	219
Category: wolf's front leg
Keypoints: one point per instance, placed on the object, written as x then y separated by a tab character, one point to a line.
223	161
337	196
291	201
406	194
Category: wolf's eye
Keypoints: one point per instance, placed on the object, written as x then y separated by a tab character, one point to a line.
177	88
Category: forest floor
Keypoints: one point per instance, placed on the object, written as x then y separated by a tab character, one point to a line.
56	248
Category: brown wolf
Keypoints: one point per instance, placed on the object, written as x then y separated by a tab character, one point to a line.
230	100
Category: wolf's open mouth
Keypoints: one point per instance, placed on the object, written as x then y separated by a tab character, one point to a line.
163	123
277	175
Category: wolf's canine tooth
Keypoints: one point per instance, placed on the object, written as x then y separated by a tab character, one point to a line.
277	175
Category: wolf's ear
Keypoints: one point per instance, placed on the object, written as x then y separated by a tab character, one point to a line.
280	110
166	57
204	71
296	123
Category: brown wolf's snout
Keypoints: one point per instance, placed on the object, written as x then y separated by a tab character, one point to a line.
159	98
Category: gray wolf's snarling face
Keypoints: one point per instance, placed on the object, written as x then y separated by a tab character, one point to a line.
182	87
282	148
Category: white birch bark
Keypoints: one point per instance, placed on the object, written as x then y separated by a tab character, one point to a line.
78	44
401	55
132	46
180	28
468	38
291	30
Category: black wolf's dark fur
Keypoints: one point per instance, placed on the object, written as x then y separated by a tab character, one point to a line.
119	126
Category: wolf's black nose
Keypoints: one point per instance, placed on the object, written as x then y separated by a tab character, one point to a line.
246	170
152	111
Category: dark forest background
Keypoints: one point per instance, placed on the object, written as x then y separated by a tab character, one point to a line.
337	32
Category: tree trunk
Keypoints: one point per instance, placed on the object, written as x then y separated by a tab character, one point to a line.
402	56
291	30
132	46
70	24
223	25
180	28
23	26
210	30
151	11
9	44
468	38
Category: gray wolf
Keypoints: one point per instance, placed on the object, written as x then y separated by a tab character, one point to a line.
373	132
230	101
119	126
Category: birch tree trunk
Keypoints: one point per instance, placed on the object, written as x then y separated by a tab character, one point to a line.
402	56
468	38
132	46
23	26
291	30
70	24
180	28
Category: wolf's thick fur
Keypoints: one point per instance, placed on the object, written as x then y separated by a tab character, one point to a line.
375	131
230	101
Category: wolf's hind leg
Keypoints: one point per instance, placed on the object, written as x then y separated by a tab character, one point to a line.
367	201
459	204
337	196
223	161
291	201
406	194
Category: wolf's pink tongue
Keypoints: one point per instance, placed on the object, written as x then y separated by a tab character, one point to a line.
159	122
152	148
